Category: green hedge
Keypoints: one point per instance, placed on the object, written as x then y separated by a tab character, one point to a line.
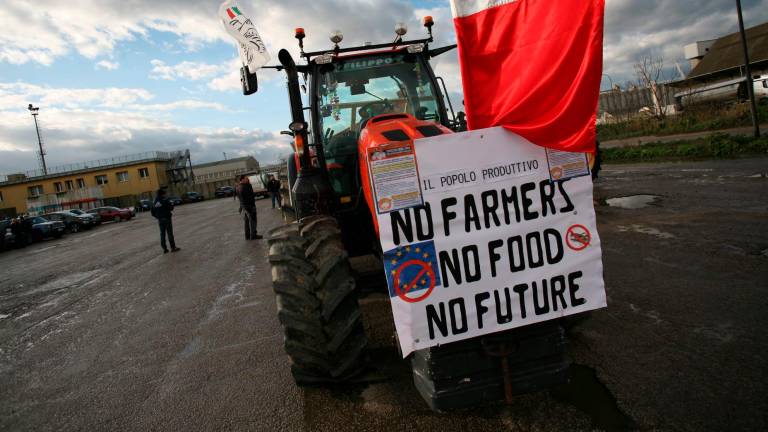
698	119
715	146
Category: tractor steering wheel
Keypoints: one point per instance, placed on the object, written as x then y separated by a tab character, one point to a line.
372	109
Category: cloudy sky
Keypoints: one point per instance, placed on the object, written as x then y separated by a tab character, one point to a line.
114	77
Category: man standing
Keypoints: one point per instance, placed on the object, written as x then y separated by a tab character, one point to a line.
248	208
162	210
273	187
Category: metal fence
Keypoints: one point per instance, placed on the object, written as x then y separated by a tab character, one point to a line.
99	163
628	103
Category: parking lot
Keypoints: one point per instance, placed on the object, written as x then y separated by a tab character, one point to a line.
100	330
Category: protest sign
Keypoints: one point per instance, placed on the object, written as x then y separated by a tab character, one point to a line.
496	244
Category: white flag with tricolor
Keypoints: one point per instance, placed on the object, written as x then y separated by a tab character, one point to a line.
253	52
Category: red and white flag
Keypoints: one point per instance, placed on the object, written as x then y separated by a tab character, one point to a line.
532	66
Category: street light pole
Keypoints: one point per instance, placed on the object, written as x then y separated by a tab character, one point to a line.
750	83
34	112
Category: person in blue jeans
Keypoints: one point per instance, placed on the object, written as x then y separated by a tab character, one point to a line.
273	187
162	210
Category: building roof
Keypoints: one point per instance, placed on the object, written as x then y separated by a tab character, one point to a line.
224	162
727	54
85	167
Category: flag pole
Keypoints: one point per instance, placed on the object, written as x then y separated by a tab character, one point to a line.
750	81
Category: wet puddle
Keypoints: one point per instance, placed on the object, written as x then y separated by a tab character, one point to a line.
585	392
632	202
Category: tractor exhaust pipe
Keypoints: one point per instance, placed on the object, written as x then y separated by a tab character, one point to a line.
312	190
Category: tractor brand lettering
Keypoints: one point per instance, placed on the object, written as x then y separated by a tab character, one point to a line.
494	245
366	64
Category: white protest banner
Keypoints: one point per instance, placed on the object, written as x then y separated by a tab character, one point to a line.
253	52
496	245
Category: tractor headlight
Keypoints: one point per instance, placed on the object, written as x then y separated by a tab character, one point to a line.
324	58
416	48
297	126
336	36
401	29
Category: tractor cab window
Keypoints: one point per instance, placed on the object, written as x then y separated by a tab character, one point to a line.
351	91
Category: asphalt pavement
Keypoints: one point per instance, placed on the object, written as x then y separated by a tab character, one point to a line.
102	331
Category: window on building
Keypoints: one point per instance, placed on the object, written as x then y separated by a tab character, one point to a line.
80	183
69	185
58	186
1	196
35	191
143	173
101	180
122	176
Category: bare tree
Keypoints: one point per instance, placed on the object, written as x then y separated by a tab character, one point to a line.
649	71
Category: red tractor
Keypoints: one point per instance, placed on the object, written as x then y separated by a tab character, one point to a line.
361	97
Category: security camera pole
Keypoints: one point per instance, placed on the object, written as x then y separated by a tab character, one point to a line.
750	83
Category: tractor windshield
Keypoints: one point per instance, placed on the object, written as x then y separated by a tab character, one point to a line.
351	91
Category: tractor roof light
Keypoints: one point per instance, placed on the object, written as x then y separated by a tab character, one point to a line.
299	34
336	37
401	29
428	23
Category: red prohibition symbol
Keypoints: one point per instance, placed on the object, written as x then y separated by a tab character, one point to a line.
578	237
425	270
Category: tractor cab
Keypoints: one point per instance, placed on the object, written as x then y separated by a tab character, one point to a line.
351	90
347	89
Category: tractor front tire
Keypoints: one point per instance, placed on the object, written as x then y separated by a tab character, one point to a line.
317	302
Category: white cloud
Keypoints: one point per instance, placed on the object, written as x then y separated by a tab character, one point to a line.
229	80
192	71
83	124
107	65
18	95
187	104
82	135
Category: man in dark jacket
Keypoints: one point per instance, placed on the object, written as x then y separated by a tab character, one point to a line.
162	210
248	207
273	187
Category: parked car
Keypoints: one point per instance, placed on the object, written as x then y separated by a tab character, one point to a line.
43	228
143	205
72	221
224	191
175	200
6	234
190	197
112	213
96	217
20	230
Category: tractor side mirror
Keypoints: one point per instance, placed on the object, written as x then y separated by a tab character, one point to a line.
248	80
325	111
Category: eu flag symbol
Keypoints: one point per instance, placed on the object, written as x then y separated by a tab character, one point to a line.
411	269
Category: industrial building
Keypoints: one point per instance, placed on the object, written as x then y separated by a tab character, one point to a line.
717	68
119	181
